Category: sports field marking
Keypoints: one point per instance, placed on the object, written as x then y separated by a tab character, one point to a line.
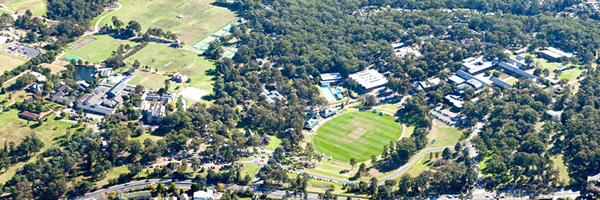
154	52
144	80
166	65
357	133
189	66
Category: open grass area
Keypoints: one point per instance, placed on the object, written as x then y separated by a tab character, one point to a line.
13	128
424	163
114	173
570	74
250	170
10	61
273	144
149	79
97	51
559	164
443	135
164	59
356	135
55	67
37	7
191	20
388	108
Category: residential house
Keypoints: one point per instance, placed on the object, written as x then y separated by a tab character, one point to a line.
30	116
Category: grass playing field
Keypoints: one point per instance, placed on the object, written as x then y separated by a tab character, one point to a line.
357	134
98	50
10	61
191	20
165	58
37	7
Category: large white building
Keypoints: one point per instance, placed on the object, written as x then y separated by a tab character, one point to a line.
330	78
475	65
206	195
369	79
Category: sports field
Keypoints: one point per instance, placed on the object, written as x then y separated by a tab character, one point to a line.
191	20
10	61
165	58
96	51
356	135
37	7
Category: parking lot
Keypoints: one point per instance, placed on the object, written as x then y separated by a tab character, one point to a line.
24	51
445	116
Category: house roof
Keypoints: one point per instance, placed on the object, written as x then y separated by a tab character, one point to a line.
30	115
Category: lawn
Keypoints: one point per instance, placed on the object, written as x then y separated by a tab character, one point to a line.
273	144
191	20
10	61
55	67
114	173
37	7
388	108
250	170
570	74
563	175
97	51
149	79
165	58
356	135
443	135
424	163
14	129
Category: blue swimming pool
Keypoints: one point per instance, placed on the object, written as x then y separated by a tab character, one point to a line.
328	94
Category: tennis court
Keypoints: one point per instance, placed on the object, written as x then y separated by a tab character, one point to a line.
73	56
83	42
230	53
203	44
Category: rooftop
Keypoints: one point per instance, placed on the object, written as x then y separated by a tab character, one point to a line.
555	53
331	76
369	79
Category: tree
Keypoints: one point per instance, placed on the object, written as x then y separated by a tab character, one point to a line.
352	162
167	84
369	100
446	154
134	26
373	159
136	64
31	36
220	187
160	188
214	50
116	22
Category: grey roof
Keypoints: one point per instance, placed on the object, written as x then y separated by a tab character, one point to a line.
464	75
475	83
456	79
515	70
114	91
500	83
95	108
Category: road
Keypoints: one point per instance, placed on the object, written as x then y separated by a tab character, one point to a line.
17	76
96	26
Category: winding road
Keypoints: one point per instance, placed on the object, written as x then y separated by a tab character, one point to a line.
96	26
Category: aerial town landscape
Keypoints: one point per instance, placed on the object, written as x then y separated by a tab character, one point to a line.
299	99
